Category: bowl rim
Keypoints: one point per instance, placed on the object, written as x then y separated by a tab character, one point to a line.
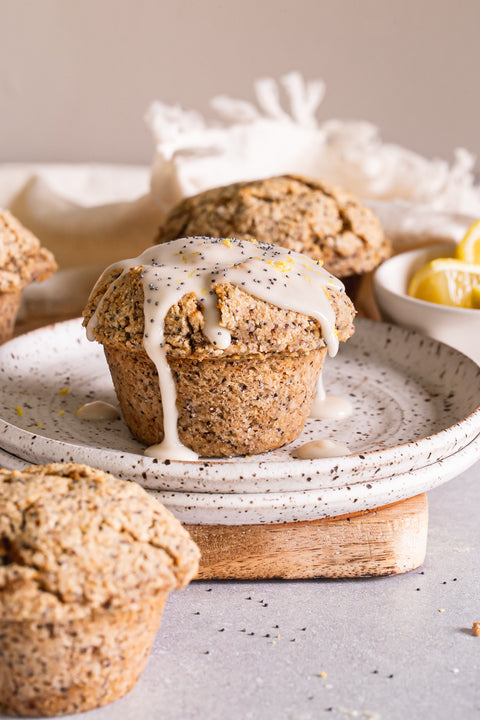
379	280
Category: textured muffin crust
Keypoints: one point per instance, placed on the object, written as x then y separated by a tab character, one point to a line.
86	564
22	259
57	668
75	541
226	406
298	213
257	327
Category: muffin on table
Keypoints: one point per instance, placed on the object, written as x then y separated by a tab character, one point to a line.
86	564
299	213
215	345
22	261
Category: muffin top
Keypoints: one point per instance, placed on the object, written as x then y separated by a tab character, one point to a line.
74	540
22	259
224	284
301	214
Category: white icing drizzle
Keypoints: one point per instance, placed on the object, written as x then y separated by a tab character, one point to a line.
195	265
326	406
97	410
320	449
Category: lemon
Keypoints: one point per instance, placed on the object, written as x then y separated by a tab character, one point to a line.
447	281
476	297
468	250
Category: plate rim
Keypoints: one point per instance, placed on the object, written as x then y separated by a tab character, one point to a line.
446	469
169	473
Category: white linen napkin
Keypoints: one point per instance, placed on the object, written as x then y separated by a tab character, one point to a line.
88	215
246	142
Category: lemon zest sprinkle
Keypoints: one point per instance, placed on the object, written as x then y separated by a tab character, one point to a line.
312	269
64	391
19	411
282	265
182	255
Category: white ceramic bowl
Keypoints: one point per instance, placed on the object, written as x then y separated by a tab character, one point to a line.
458	327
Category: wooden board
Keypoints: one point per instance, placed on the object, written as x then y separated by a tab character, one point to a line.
386	541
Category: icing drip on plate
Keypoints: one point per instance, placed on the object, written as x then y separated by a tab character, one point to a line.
320	449
326	406
271	273
97	410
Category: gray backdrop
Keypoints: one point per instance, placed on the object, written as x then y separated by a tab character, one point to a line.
77	75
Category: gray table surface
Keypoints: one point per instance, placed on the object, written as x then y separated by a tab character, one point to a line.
390	648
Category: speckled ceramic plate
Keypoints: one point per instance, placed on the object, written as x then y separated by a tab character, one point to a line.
415	401
263	508
12	462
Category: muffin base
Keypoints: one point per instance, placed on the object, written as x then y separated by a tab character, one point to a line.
226	406
60	668
9	305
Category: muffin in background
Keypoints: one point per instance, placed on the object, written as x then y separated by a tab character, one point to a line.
22	261
86	564
248	396
298	213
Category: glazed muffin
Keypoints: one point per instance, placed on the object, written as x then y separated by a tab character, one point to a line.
86	563
298	213
22	261
216	344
